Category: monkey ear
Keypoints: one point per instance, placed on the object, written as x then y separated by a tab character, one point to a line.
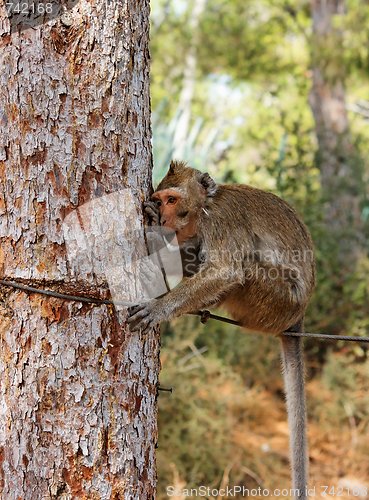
172	167
209	184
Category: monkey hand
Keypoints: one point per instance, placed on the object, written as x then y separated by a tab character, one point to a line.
145	316
152	212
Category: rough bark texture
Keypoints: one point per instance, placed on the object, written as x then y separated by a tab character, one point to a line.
77	390
339	165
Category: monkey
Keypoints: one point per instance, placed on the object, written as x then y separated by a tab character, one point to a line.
255	260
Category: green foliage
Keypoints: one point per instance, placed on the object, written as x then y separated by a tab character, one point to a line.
251	29
344	395
236	349
198	149
357	37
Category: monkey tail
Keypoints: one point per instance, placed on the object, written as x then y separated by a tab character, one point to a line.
293	372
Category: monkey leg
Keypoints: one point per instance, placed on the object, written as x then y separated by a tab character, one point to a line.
293	372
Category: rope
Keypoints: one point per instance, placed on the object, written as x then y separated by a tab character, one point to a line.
326	336
52	293
204	315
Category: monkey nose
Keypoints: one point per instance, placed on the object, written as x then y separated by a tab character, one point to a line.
163	222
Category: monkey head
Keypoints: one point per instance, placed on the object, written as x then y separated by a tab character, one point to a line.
181	196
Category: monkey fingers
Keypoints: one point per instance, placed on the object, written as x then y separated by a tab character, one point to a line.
133	309
136	313
142	317
152	211
145	325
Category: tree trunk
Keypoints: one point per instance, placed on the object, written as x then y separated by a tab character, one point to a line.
77	390
339	165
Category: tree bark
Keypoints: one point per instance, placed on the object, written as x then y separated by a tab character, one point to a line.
340	166
77	390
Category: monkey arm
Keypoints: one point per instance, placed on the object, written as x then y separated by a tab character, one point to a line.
205	288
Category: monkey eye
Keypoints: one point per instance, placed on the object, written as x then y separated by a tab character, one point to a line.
158	203
171	200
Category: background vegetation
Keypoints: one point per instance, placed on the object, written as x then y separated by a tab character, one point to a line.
274	93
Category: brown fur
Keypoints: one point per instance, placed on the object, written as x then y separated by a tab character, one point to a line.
269	290
255	259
